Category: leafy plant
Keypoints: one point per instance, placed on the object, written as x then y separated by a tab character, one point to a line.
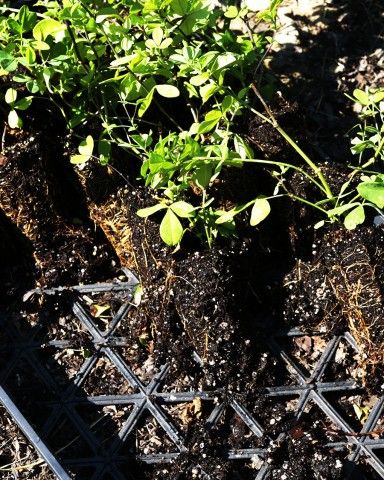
368	143
368	146
128	63
14	120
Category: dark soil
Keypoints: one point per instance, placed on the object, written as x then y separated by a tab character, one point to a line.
210	314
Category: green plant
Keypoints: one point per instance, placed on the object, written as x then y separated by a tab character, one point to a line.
368	143
10	97
368	146
132	64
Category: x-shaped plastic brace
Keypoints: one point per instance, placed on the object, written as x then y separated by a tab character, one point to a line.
144	399
252	424
148	398
364	444
311	388
26	349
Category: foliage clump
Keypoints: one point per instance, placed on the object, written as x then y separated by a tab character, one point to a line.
167	81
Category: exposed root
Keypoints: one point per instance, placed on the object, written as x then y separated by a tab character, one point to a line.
113	220
356	290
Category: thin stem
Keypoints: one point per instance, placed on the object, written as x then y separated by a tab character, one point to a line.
272	121
379	148
269	162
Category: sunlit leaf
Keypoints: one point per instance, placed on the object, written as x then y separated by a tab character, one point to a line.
171	230
355	217
157	35
98	310
85	151
373	192
260	210
206	91
211	119
86	146
14	121
168	91
225	217
46	27
183	209
361	96
146	212
231	12
378	96
10	95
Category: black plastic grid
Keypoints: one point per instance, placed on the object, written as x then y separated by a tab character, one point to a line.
149	398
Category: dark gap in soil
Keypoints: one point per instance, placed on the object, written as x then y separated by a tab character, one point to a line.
17	265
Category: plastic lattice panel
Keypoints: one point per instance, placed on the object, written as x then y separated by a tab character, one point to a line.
96	433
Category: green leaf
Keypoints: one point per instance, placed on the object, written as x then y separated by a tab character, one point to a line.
146	212
260	210
373	192
7	62
355	217
15	26
171	230
224	217
206	91
190	22
341	209
86	146
14	121
378	96
202	176
30	55
104	149
122	61
227	103
47	27
166	43
242	148
78	159
167	91
183	209
104	13
157	35
198	80
40	45
361	96
180	7
211	119
26	18
23	103
145	103
224	60
149	43
85	151
10	95
231	12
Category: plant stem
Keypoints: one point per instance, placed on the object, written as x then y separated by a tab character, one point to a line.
272	121
270	162
379	148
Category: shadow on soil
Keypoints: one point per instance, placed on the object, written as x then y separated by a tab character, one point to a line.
339	49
